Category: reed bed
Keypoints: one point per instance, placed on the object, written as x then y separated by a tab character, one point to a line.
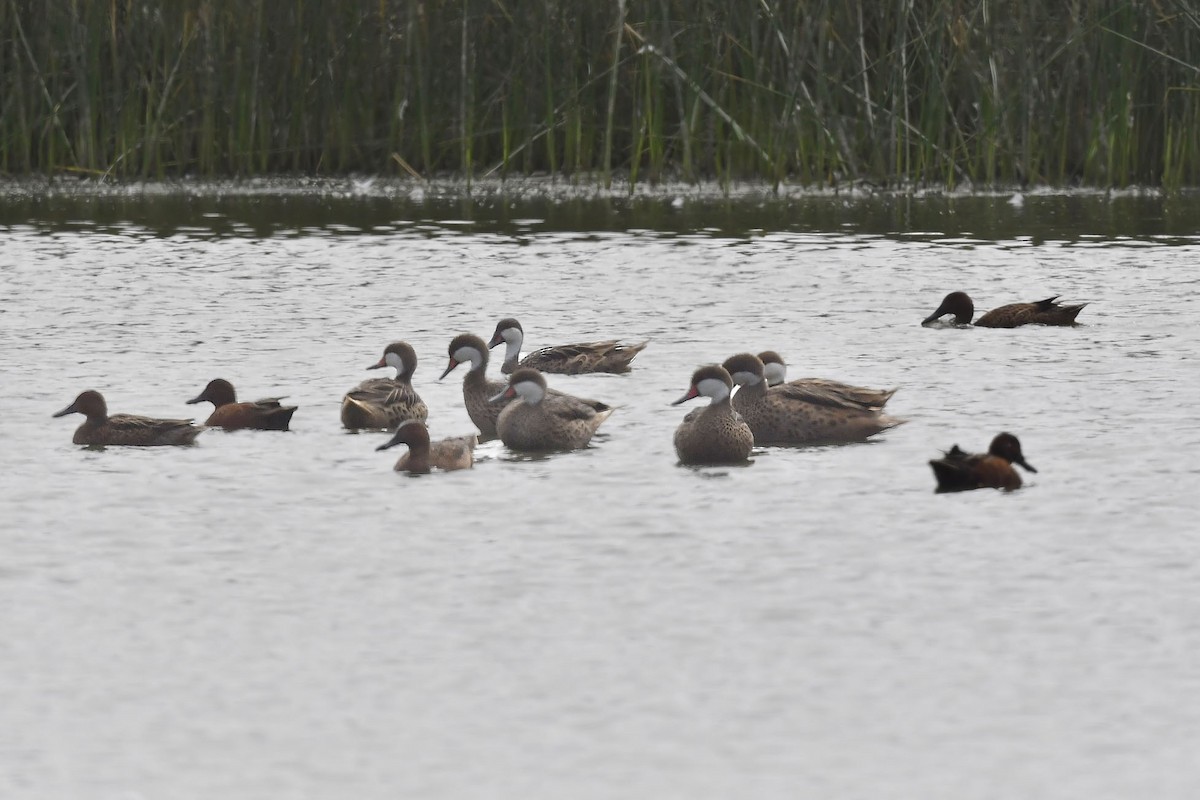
898	92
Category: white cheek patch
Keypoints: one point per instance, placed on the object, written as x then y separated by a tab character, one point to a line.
394	361
711	387
745	378
464	355
511	336
775	373
529	391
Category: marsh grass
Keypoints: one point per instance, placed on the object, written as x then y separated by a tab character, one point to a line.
900	92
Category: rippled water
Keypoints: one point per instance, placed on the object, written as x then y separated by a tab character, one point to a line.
272	615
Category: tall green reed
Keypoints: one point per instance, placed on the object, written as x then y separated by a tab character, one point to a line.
900	92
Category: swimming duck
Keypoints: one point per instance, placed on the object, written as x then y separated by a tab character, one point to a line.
717	434
125	429
959	470
774	367
478	391
228	413
566	359
775	372
537	421
810	411
1043	312
386	402
423	455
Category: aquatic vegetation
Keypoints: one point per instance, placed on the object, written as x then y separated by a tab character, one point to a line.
819	93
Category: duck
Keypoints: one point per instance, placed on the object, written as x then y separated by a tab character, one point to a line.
100	429
422	456
264	415
958	470
775	372
1043	312
384	403
535	421
812	411
566	359
774	367
478	391
716	434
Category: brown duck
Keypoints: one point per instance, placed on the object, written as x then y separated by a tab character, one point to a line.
125	429
484	398
959	470
812	411
228	413
423	455
536	421
1043	312
565	359
775	372
386	402
717	434
478	391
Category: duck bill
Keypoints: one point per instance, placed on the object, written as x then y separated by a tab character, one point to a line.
935	316
508	392
495	340
378	364
692	392
392	442
449	369
200	398
71	409
1025	464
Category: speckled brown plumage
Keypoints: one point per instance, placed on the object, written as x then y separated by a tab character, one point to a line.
809	411
565	359
478	391
543	422
775	372
714	434
386	402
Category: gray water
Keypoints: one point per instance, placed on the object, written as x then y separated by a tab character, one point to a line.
269	615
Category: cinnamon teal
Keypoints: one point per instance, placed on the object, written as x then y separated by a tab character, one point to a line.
125	429
959	470
1043	312
536	421
717	434
566	359
423	455
386	402
811	411
264	415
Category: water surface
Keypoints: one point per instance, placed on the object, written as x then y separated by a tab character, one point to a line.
274	615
